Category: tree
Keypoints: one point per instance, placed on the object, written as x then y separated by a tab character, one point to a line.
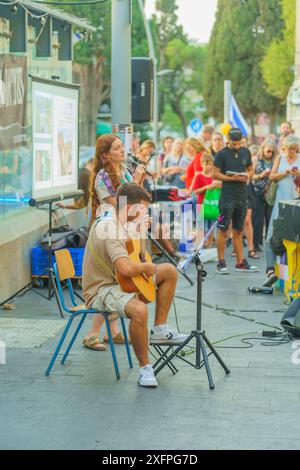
243	30
185	61
277	64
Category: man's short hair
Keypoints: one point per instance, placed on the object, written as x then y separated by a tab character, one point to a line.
235	134
134	194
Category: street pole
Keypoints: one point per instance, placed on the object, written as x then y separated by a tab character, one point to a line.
155	80
292	111
121	82
227	100
297	57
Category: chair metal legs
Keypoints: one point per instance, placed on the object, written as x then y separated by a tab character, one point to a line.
126	343
73	339
61	341
112	347
111	343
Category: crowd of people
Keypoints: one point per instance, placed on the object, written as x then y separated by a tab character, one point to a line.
200	165
197	166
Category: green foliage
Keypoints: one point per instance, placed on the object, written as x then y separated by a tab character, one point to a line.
186	61
99	43
242	32
180	90
171	121
277	65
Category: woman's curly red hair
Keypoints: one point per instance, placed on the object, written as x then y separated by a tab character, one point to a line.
103	146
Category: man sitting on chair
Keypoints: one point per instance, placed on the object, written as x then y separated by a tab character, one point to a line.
106	253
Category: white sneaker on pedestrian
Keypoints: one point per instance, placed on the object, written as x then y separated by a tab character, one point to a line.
245	267
222	268
147	377
165	335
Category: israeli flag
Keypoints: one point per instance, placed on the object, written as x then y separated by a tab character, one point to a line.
237	119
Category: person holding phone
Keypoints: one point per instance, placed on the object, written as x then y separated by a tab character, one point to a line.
262	166
233	166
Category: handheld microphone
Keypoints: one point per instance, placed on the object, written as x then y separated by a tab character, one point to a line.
136	161
261	290
152	155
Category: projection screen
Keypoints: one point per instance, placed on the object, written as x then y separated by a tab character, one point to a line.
54	137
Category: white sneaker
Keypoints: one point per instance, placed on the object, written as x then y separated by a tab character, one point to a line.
167	336
147	377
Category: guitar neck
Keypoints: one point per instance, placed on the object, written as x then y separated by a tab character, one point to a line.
143	243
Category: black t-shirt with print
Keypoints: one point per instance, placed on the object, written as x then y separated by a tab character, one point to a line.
238	161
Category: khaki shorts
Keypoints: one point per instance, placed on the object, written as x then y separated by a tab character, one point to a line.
112	299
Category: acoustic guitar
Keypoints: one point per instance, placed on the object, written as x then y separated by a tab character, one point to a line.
142	285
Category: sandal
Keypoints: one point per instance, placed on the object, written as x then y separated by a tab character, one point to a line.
93	342
118	339
252	254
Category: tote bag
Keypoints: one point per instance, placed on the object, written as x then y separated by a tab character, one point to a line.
211	204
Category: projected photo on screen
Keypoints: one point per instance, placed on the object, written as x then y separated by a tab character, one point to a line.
43	115
55	137
42	166
64	144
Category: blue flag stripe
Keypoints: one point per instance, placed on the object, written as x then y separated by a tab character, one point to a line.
237	119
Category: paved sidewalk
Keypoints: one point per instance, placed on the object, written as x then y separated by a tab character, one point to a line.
82	406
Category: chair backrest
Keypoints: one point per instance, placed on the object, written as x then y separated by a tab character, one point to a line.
64	271
64	264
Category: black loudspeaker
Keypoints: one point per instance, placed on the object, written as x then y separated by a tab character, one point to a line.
291	320
142	89
289	219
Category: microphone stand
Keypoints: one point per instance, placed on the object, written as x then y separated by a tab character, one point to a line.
199	335
52	288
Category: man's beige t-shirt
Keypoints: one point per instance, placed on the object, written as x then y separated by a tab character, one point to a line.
108	241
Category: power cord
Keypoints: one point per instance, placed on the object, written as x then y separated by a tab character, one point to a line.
283	338
229	313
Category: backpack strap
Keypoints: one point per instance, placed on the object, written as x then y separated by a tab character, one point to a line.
99	260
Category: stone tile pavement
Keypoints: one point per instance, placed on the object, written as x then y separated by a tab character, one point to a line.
82	406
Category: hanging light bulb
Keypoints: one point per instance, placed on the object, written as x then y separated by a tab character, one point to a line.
43	20
14	9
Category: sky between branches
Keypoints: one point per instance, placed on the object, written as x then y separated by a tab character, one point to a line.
196	16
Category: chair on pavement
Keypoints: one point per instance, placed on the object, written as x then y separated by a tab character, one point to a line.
64	272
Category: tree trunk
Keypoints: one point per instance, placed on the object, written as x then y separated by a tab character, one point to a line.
253	129
94	90
176	106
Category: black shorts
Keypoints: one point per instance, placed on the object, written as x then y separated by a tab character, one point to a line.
232	212
251	197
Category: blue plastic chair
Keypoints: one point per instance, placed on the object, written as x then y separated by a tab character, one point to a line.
64	271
